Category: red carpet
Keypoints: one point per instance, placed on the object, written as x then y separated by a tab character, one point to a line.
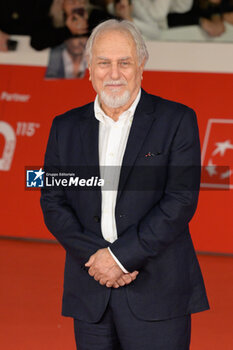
31	290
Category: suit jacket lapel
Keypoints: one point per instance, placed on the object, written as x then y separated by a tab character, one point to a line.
142	121
89	133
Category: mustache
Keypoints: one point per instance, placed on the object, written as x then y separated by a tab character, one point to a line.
115	82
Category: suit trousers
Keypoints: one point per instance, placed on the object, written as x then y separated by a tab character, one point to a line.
120	329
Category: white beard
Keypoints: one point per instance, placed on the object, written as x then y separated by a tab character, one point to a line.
115	101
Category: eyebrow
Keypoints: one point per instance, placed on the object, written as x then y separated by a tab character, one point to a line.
120	59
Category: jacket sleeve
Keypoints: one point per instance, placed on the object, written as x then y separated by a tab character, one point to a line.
169	218
59	216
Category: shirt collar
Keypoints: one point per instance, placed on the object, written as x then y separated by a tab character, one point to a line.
126	115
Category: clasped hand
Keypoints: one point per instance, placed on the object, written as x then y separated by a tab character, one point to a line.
106	271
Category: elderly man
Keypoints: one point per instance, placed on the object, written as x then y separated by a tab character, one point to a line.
132	278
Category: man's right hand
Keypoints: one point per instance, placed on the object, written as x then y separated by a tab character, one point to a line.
104	269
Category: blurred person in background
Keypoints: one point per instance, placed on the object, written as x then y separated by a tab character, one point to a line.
65	19
213	13
68	60
209	14
4	37
100	3
16	17
150	16
228	11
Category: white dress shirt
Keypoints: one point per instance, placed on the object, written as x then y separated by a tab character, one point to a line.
113	137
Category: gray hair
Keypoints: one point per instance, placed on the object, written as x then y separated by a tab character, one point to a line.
122	26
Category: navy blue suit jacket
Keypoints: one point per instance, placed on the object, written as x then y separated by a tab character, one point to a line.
152	225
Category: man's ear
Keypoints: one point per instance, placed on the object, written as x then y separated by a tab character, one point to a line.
142	65
89	68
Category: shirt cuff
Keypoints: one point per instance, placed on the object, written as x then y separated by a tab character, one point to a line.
118	262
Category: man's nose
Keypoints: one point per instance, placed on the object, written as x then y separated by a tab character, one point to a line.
115	71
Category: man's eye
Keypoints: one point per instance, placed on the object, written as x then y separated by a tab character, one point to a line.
124	64
103	63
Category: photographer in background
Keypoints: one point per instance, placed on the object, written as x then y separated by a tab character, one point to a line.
123	9
71	13
67	61
16	17
211	15
149	16
66	19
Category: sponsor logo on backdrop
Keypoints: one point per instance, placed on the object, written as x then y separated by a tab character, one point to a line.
27	129
217	154
14	97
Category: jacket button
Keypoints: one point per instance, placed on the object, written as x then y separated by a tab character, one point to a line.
96	218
